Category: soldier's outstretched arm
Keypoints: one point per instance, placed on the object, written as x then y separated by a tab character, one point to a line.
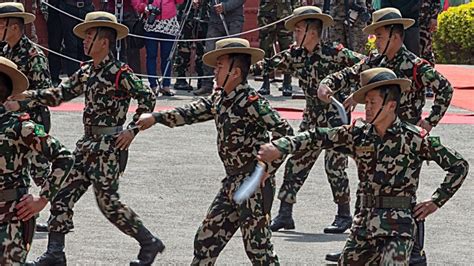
200	110
451	162
33	136
443	91
282	61
339	138
344	78
70	89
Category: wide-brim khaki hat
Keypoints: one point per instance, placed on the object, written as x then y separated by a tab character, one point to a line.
376	77
15	10
308	12
19	80
387	16
232	46
100	19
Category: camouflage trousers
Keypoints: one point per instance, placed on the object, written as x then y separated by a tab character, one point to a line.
183	56
13	247
426	44
350	37
389	250
224	217
100	164
299	165
270	35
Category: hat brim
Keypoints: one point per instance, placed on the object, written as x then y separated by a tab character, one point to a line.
19	80
406	22
359	95
27	17
210	58
291	22
81	29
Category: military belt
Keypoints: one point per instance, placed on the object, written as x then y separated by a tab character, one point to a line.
12	194
78	4
100	130
385	202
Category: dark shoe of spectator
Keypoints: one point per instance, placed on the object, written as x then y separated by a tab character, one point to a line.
182	84
166	91
203	91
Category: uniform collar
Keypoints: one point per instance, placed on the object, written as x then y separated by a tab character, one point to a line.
394	129
21	43
238	90
110	58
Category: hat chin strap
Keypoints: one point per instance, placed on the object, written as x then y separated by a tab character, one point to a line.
228	74
5	30
389	39
304	36
93	41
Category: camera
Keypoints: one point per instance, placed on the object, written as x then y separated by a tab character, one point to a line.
153	11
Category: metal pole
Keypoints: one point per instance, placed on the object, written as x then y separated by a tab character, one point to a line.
223	20
119	15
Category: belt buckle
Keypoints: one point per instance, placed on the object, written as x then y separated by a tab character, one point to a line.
80	4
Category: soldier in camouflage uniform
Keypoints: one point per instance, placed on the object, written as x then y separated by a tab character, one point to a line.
388	153
269	12
195	27
310	61
19	138
243	121
428	22
349	20
33	63
405	64
108	86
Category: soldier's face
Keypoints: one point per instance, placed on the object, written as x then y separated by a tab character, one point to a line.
373	103
382	38
222	69
88	42
298	32
3	26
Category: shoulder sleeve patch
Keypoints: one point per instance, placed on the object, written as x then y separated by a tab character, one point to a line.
252	98
435	141
24	117
39	130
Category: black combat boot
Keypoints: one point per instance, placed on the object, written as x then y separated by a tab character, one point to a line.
150	246
342	222
333	257
54	255
284	218
182	84
41	227
205	89
265	89
287	90
417	256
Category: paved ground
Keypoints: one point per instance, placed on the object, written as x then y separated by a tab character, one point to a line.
173	174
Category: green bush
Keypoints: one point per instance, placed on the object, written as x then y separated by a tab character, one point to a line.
454	41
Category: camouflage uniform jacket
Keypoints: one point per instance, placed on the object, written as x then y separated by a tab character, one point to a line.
388	166
31	61
405	64
243	120
108	89
310	68
19	138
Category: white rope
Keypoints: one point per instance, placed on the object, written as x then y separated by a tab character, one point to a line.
182	40
140	75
